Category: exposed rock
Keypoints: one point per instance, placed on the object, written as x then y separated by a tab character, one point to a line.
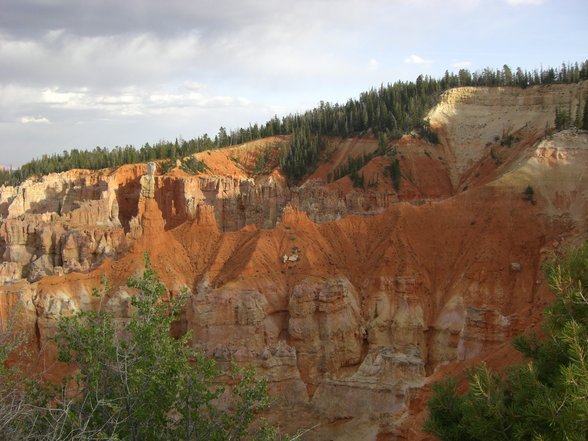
325	327
472	117
382	385
350	301
148	182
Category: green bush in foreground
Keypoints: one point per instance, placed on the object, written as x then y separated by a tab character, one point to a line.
134	381
545	399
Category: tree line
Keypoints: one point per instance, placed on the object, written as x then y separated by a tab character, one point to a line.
394	109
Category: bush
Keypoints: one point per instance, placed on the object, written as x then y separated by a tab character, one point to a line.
167	166
394	172
428	133
508	140
14	410
134	381
529	194
193	166
544	399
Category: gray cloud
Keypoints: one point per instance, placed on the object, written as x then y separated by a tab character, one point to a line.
99	17
111	72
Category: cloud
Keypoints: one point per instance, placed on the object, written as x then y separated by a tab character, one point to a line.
462	64
525	2
87	103
57	97
415	59
193	85
162	101
33	120
161	69
67	59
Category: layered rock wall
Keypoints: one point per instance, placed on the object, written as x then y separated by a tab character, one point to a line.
347	316
472	118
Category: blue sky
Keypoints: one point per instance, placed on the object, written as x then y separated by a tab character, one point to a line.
104	72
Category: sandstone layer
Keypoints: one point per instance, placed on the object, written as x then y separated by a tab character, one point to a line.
349	300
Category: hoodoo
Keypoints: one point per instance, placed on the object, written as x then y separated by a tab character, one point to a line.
350	297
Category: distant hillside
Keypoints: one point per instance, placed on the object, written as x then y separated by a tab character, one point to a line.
385	270
390	111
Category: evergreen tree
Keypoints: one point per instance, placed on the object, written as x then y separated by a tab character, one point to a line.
507	75
394	109
585	114
545	399
563	119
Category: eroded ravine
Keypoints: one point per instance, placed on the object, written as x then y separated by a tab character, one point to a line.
349	301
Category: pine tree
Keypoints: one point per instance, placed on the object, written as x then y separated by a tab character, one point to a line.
545	398
585	114
507	73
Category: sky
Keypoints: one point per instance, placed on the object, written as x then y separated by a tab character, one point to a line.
81	74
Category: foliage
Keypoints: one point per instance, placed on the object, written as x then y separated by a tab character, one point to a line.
508	140
354	164
394	171
495	156
13	408
301	156
261	161
134	381
357	179
168	165
193	166
382	144
101	157
529	194
563	119
352	167
545	399
427	132
585	114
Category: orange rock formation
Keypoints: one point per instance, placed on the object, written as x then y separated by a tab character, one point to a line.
350	301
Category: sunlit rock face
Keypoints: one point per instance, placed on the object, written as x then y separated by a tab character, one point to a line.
350	301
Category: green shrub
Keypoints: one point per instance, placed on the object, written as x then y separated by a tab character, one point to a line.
543	399
134	381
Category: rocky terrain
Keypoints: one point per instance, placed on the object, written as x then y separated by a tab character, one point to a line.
351	301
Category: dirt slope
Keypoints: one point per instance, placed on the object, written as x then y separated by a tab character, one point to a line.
351	301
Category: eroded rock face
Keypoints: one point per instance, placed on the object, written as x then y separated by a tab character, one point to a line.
325	327
348	317
381	385
474	118
39	246
72	221
61	223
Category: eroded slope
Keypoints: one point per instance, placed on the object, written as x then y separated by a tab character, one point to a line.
348	300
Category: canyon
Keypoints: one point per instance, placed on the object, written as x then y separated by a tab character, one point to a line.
350	301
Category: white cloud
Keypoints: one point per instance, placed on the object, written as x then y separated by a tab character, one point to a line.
54	35
86	103
415	59
33	120
161	101
193	85
373	64
525	2
56	97
461	64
